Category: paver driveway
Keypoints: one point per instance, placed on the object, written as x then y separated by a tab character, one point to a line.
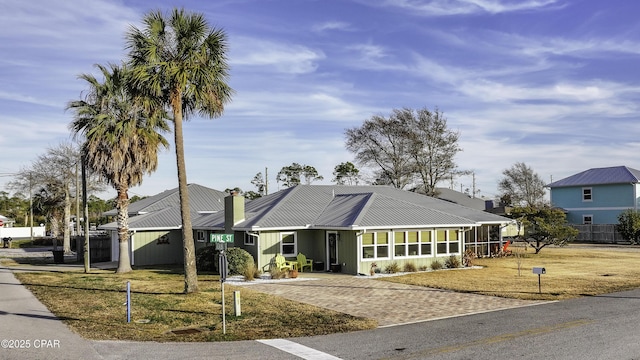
388	303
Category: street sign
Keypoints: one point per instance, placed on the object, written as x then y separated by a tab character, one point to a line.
221	238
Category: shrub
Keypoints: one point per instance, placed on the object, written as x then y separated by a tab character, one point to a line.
238	260
468	257
436	265
392	268
423	268
251	272
277	273
206	258
452	262
410	267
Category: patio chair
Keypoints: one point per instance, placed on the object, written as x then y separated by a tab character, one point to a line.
505	248
303	262
283	264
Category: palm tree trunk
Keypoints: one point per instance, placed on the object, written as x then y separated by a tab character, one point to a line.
122	205
190	272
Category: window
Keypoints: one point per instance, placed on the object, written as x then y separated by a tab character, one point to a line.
447	242
288	244
425	242
587	194
587	219
411	243
249	239
200	236
375	245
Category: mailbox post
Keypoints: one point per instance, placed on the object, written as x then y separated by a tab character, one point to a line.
539	271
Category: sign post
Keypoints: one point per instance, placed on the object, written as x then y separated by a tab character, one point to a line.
221	241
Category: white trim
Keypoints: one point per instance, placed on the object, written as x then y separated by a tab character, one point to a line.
295	242
598	208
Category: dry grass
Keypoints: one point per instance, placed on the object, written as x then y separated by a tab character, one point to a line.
92	305
572	271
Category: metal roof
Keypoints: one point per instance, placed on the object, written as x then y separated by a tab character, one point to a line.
338	206
600	176
167	218
201	199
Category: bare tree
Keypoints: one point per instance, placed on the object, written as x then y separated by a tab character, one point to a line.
434	146
408	145
55	172
521	186
383	143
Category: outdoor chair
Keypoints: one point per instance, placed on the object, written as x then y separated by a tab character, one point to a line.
303	262
505	248
283	264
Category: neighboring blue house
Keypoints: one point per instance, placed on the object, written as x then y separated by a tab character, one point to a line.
597	196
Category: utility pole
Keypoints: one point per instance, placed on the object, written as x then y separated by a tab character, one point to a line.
266	181
87	260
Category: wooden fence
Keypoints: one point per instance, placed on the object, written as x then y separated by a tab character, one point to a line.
99	247
602	234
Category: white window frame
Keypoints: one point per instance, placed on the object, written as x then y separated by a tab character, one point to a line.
584	219
295	243
249	240
447	241
406	243
587	194
200	236
375	246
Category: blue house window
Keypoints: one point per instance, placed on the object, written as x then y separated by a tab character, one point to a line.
587	194
587	219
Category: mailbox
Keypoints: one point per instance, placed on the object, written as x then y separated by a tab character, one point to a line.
539	270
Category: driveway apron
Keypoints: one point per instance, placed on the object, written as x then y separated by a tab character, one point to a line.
388	303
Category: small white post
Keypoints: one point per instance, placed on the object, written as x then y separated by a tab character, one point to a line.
236	303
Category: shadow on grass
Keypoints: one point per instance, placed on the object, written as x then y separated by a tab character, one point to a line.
95	289
36	316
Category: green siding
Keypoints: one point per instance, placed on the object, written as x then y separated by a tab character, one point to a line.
157	247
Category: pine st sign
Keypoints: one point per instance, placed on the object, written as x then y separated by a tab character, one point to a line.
221	238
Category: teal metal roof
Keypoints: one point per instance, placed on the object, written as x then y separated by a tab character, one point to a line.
600	176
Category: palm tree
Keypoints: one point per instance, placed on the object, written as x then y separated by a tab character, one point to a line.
121	140
180	61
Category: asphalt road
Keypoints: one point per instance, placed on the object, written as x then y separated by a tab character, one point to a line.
600	327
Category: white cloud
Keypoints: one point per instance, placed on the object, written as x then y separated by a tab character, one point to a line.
466	7
285	58
332	25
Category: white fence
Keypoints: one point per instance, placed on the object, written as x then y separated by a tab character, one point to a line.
21	232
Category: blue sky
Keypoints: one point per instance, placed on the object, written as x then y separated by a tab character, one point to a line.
552	83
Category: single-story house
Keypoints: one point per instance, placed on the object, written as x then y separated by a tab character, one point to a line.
155	225
348	228
598	195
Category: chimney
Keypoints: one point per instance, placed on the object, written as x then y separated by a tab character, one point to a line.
233	211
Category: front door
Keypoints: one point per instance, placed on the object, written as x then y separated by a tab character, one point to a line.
332	250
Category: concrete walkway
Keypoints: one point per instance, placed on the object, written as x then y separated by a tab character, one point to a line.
389	303
30	331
